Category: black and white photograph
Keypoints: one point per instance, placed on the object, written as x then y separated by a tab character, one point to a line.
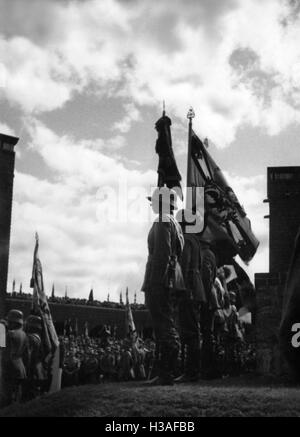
149	211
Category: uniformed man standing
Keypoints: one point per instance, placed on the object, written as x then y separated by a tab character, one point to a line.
35	370
163	280
208	308
15	357
190	302
233	337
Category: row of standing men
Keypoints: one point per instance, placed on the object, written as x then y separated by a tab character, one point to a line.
26	365
180	286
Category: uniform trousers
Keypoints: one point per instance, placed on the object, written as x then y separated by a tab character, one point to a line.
161	305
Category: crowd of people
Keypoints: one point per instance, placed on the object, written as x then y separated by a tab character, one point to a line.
90	361
233	350
87	360
95	360
27	363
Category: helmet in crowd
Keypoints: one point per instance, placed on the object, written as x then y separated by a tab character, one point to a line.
34	322
15	316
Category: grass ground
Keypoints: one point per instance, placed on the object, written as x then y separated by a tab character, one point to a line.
229	397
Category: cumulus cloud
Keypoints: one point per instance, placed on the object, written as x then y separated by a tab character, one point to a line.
123	48
132	114
78	247
237	63
7	130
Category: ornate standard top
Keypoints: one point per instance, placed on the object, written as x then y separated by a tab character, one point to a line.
191	114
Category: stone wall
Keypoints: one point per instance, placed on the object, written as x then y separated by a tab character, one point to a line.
95	316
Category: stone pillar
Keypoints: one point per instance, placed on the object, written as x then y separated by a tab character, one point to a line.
7	165
269	305
284	201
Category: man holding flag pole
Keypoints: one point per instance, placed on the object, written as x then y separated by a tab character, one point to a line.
198	264
163	277
227	231
49	337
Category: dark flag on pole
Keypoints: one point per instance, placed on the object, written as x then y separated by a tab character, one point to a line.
168	173
227	223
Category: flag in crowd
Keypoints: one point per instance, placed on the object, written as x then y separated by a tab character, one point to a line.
41	308
39	301
129	322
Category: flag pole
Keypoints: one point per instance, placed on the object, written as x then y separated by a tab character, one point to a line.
33	302
34	258
190	116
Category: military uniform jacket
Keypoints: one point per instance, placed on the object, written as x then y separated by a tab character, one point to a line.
35	366
191	268
16	354
165	244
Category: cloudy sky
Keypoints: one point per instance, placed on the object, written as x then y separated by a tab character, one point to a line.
81	84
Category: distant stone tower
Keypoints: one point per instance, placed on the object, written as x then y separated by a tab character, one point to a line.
284	201
284	218
7	166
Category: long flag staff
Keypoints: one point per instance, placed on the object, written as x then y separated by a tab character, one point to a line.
34	257
190	116
32	280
